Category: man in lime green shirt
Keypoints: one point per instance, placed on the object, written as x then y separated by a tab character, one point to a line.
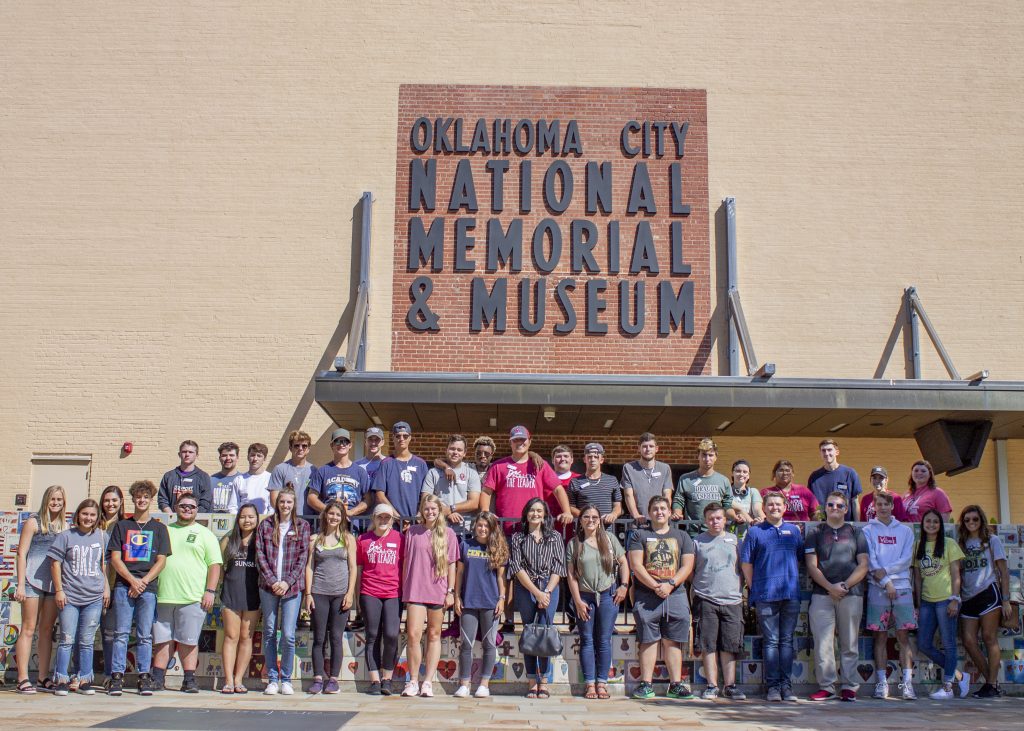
188	584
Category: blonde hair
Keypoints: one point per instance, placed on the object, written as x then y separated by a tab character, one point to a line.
288	490
438	536
340	531
46	525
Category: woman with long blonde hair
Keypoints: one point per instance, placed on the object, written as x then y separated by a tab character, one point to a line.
330	591
428	576
35	587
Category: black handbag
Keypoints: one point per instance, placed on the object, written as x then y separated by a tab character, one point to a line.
540	640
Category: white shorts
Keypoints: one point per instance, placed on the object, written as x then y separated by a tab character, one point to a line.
179	622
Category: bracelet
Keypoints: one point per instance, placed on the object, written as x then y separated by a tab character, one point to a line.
501	597
210	591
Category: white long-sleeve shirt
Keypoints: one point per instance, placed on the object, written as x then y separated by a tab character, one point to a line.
890	548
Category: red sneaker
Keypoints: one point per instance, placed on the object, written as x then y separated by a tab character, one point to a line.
848	696
823	695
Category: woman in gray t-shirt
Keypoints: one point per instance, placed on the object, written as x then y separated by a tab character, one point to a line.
81	590
985	591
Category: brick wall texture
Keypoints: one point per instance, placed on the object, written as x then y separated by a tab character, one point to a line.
600	114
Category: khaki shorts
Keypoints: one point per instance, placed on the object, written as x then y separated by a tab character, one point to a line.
179	622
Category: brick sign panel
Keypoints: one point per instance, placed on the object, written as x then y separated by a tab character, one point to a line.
551	229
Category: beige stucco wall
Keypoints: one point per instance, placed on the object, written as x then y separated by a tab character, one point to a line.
178	184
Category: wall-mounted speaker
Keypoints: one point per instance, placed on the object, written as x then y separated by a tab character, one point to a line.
953	446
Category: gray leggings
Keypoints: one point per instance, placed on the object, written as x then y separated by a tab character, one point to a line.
488	625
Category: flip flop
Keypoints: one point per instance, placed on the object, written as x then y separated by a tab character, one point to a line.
241	689
227	690
542	692
590	694
602	691
532	693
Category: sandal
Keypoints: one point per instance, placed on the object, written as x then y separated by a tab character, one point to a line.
241	689
590	694
532	693
46	685
542	692
227	690
602	691
25	687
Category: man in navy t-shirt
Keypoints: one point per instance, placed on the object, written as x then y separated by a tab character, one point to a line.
373	441
400	477
770	558
834	477
339	479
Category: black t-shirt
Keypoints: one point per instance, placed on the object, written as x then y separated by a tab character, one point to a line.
140	546
836	549
662	555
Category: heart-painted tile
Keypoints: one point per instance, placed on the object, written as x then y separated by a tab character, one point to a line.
447	668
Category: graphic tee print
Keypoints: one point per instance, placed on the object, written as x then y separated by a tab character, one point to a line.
138	546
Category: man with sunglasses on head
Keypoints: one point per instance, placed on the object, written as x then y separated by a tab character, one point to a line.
296	470
836	554
188	584
399	480
373	456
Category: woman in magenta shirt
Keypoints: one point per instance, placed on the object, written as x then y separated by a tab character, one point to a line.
431	551
924	494
379	556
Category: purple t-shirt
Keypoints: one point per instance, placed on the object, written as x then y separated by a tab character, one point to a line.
420	583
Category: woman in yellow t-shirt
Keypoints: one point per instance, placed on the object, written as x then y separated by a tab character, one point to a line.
937	587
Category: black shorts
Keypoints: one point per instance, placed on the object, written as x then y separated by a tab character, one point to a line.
430	607
719	626
987	600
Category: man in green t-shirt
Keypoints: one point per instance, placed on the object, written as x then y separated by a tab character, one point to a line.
188	584
698	489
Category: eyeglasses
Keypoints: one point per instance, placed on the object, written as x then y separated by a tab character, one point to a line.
972	519
837	506
188	507
590	517
297	447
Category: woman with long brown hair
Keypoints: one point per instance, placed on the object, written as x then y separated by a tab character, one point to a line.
592	558
240	597
923	494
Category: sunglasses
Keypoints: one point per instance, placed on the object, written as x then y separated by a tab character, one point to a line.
188	507
300	446
972	519
402	436
590	517
837	506
342	442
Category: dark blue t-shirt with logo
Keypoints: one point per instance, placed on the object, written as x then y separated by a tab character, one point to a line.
346	484
479	580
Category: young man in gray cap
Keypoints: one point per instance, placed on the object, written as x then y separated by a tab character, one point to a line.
399	480
373	443
880	483
595	488
339	479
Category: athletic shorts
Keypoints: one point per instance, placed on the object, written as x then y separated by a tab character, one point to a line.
885	613
719	626
179	622
662	619
33	593
428	607
985	601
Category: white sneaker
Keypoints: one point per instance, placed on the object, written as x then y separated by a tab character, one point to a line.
287	689
411	690
942	693
462	692
483	691
908	691
881	690
272	689
964	684
426	689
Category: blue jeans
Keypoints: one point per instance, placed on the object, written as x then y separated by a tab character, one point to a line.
777	621
107	629
596	635
931	616
270	603
526	605
143	610
78	626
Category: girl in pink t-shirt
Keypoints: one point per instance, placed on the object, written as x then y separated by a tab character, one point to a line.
801	505
379	556
428	573
924	494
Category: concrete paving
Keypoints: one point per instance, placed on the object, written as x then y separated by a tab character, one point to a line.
509	712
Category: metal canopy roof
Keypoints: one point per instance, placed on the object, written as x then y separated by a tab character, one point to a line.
584	404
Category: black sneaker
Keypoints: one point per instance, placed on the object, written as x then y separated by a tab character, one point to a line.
61	689
115	685
644	692
733	693
679	691
188	685
145	684
385	687
159	684
985	691
86	687
374	688
997	691
507	628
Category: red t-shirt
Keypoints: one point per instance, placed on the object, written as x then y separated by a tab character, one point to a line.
381	561
800	502
922	500
515	484
867	508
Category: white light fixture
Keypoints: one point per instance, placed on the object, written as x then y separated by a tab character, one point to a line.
608	423
376	420
837	427
549	414
493	422
723	426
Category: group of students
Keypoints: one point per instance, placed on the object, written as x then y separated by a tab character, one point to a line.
442	537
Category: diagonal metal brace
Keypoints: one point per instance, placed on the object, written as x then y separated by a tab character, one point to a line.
754	368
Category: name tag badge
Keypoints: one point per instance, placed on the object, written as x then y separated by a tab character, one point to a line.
786	532
584	484
651	540
655	474
411	468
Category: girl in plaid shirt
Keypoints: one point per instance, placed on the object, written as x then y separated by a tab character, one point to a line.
282	545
